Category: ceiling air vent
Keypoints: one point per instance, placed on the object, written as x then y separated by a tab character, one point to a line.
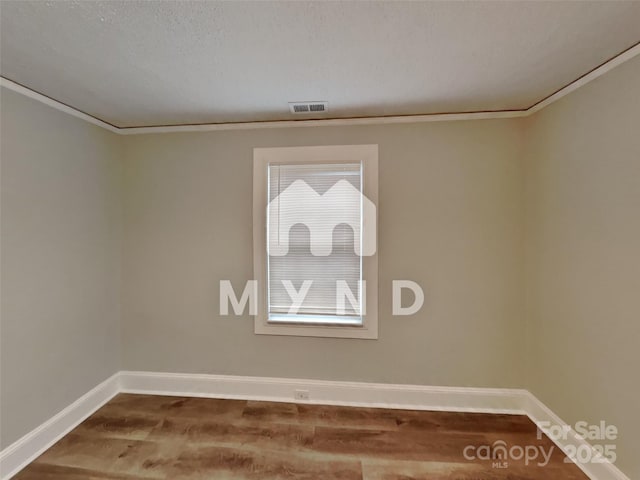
308	107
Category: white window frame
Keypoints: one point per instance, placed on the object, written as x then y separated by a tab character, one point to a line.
262	158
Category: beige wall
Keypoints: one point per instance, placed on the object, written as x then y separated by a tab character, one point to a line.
476	212
583	256
60	261
450	218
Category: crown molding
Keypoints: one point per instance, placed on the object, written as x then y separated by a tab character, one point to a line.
27	92
607	66
333	122
328	122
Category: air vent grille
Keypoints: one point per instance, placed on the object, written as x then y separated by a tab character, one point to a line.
308	107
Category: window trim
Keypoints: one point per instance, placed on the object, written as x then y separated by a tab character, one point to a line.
262	158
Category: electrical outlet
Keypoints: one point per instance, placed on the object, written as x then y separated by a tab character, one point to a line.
301	395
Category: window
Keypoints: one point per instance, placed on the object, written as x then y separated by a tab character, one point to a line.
315	235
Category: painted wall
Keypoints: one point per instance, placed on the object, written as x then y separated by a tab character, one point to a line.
583	256
60	252
450	218
477	212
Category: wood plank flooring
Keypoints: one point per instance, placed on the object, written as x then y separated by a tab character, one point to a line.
178	438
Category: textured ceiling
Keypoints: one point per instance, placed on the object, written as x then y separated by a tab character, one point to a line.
157	63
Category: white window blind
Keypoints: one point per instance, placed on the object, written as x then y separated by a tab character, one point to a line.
325	260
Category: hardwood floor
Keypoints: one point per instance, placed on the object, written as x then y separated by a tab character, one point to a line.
176	438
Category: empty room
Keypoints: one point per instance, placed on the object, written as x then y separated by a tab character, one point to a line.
300	240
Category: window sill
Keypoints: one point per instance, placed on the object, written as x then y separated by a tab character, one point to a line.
317	320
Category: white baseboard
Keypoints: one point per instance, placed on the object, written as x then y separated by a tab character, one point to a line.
22	452
417	397
540	414
414	397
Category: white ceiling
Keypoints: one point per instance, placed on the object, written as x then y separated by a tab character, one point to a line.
146	63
